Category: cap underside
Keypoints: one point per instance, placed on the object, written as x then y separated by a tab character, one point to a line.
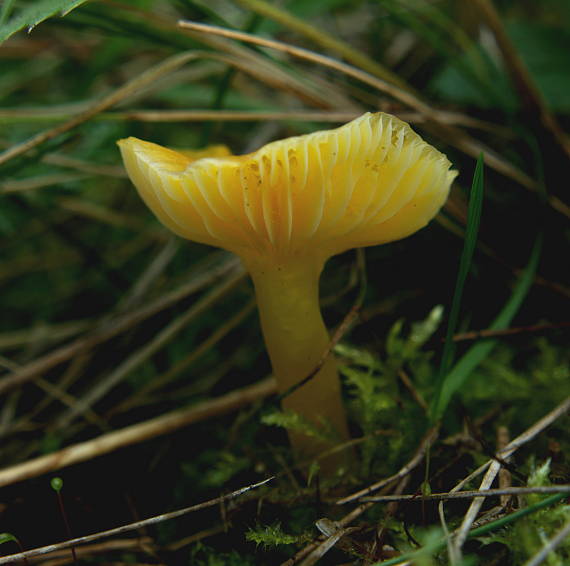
368	182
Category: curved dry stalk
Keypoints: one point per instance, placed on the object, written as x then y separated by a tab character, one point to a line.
301	53
325	40
136	433
450	134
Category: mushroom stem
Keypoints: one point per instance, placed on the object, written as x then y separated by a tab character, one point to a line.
287	291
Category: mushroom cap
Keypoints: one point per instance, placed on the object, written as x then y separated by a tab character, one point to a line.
371	181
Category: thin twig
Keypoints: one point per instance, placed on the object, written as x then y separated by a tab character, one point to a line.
426	442
131	526
23	115
323	547
383	86
487	333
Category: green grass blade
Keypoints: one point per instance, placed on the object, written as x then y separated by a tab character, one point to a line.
473	221
455	379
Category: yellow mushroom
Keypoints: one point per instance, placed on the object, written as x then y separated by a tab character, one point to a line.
285	209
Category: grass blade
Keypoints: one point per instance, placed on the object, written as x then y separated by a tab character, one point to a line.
473	221
34	14
454	380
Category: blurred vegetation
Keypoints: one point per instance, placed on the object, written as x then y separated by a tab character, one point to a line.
108	320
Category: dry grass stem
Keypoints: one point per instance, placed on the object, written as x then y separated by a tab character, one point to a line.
58	558
147	78
450	134
130	527
112	328
382	86
325	40
137	433
138	357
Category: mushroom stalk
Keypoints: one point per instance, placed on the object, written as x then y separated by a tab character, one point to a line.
287	292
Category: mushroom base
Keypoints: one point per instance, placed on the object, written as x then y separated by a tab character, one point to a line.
295	335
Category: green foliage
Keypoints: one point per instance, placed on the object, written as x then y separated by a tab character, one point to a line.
296	423
7	537
202	555
56	484
471	233
456	377
541	48
271	535
373	383
32	14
